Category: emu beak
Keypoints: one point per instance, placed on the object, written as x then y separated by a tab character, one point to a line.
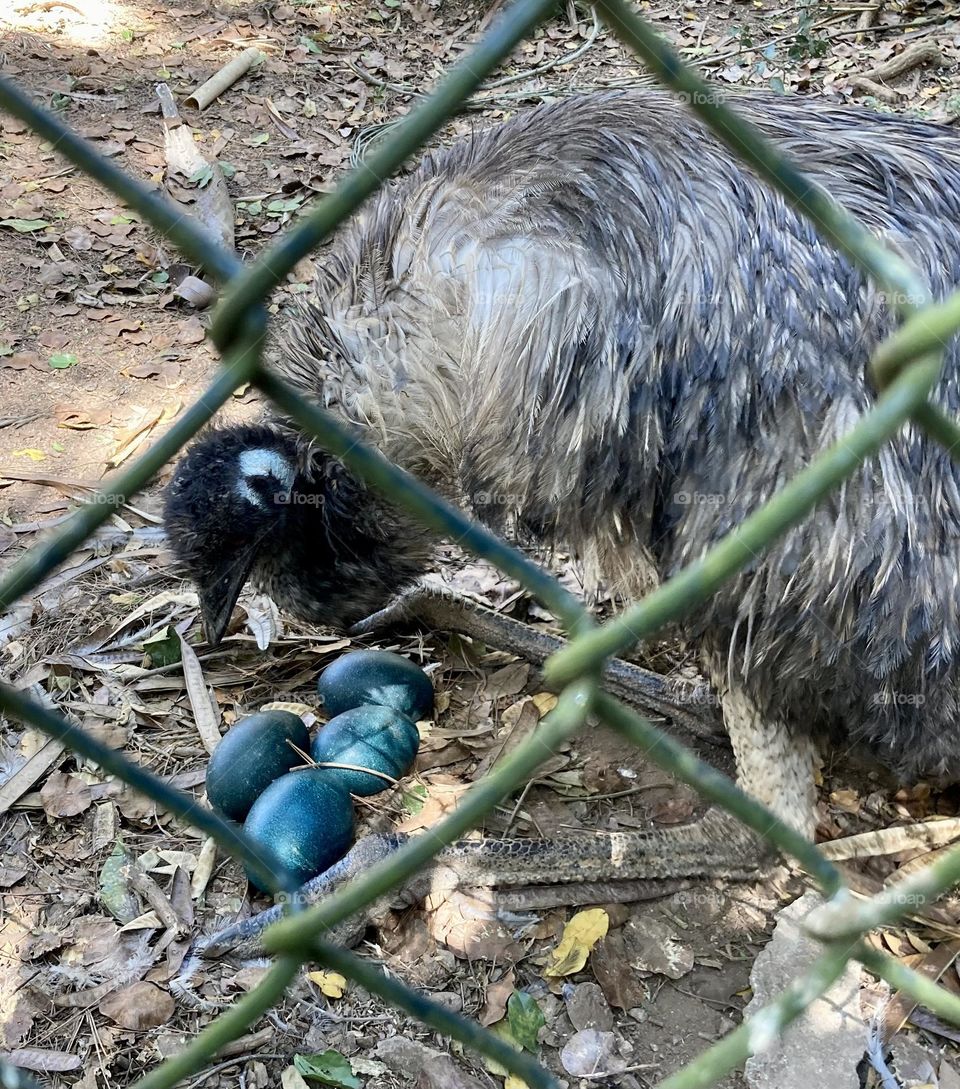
219	595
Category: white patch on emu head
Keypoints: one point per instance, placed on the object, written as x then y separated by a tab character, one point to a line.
263	462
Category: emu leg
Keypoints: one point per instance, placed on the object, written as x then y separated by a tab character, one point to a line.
773	766
652	695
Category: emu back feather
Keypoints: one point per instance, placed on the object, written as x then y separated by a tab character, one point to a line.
593	322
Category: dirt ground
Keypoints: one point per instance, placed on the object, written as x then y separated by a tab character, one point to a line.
99	355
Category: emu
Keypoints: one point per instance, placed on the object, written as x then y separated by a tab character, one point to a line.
594	325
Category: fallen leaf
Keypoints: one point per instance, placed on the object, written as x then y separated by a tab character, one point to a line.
580	935
206	714
330	1068
498	994
191	332
139	1006
332	984
65	795
23	226
525	1019
655	947
291	1078
43	1061
592	1054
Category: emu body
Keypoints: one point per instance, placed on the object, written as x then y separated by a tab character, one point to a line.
594	326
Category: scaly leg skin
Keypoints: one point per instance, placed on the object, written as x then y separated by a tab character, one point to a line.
649	693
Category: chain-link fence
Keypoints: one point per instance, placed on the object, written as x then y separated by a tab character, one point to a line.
904	371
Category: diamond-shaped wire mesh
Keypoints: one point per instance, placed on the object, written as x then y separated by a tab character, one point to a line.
905	369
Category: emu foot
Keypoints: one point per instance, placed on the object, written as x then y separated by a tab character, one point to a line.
621	867
243	940
649	693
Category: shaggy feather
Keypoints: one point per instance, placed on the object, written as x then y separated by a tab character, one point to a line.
594	320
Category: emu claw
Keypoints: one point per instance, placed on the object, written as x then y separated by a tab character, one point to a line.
244	939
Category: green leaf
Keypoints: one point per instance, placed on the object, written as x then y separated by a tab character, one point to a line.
24	226
278	207
163	649
114	882
414	798
61	360
203	176
525	1019
331	1068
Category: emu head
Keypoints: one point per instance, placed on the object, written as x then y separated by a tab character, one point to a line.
253	503
228	501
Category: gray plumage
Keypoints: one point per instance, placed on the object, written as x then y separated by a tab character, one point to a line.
596	318
595	325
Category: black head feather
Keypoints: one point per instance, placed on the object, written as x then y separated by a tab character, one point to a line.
251	503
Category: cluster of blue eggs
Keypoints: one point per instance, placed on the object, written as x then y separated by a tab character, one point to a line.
303	820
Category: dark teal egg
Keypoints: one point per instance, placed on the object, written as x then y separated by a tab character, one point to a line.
376	676
250	756
378	738
302	821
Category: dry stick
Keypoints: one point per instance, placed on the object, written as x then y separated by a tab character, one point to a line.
867	18
213	208
224	78
923	52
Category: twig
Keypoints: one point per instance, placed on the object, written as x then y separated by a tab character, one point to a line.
871	82
868	17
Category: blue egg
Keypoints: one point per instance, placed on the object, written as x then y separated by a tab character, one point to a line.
378	738
379	677
302	821
250	756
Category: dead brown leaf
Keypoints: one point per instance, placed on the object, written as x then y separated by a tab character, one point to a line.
64	795
618	980
191	331
495	1007
139	1006
43	1061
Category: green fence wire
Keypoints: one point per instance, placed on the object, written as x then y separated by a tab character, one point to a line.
905	370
